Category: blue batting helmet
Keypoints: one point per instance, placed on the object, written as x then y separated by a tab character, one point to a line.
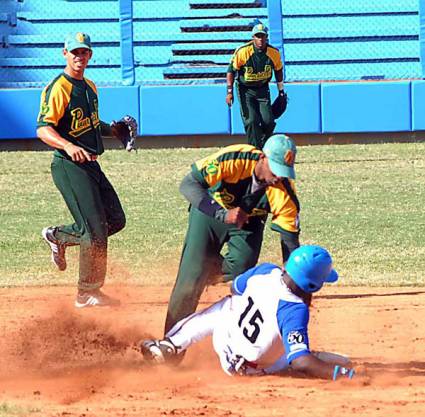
310	266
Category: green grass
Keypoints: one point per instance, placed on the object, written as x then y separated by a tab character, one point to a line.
363	202
9	410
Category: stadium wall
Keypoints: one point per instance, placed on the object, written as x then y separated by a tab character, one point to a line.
314	108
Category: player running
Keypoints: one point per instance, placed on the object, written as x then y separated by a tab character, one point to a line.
262	327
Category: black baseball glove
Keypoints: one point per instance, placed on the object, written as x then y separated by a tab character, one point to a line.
279	105
125	130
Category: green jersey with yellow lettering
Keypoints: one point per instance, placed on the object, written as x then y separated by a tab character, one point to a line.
254	67
228	175
70	106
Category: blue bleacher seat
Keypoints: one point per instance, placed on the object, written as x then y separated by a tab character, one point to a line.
357	26
354	50
222	59
333	7
225	3
173	39
228	25
58	39
360	71
207	48
164	9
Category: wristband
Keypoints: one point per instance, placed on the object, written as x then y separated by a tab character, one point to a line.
230	90
344	372
209	206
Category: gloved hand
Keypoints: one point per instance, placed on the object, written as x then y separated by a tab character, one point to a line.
280	104
125	130
340	372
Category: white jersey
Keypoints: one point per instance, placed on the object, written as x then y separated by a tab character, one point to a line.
263	321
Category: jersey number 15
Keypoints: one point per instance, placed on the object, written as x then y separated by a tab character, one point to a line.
252	328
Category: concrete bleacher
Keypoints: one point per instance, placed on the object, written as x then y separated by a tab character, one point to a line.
158	33
351	40
31	53
321	40
194	39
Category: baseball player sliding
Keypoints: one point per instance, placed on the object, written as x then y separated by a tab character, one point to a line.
262	327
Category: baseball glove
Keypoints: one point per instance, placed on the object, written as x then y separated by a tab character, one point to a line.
125	130
279	105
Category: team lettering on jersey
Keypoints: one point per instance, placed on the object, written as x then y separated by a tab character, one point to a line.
259	76
224	198
81	124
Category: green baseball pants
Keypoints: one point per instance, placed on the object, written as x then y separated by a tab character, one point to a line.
97	214
201	261
256	112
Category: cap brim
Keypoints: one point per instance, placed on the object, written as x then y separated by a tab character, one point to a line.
74	46
260	31
332	277
281	170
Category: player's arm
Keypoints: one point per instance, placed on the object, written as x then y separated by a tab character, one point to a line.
293	321
313	367
285	208
230	79
279	81
52	138
196	192
289	241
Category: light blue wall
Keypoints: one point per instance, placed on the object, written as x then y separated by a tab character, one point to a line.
201	109
366	107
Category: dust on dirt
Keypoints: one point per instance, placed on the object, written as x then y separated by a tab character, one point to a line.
60	361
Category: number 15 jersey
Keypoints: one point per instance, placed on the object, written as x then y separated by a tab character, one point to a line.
266	319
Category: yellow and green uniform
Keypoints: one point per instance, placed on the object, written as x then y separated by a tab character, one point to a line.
70	106
227	180
253	69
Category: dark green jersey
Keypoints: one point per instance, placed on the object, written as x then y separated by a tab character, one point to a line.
71	107
228	174
254	67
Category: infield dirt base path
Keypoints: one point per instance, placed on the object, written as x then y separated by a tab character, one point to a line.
57	361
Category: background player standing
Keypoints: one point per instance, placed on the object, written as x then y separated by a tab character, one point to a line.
231	192
262	328
251	66
69	122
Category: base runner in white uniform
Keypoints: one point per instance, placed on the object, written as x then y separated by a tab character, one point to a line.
262	327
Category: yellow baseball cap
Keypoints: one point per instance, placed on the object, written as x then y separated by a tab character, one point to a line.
77	40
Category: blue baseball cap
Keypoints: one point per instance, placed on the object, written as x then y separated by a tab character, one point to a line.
280	151
259	28
77	40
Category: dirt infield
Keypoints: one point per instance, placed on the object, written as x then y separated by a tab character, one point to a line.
57	361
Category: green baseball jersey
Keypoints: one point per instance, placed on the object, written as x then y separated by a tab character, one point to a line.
228	176
254	67
71	107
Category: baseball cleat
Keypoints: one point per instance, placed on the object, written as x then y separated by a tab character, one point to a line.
159	351
58	249
95	298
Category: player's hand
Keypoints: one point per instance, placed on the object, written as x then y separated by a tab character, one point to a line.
236	216
229	99
78	154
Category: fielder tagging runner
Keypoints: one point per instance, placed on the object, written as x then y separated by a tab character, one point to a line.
262	327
